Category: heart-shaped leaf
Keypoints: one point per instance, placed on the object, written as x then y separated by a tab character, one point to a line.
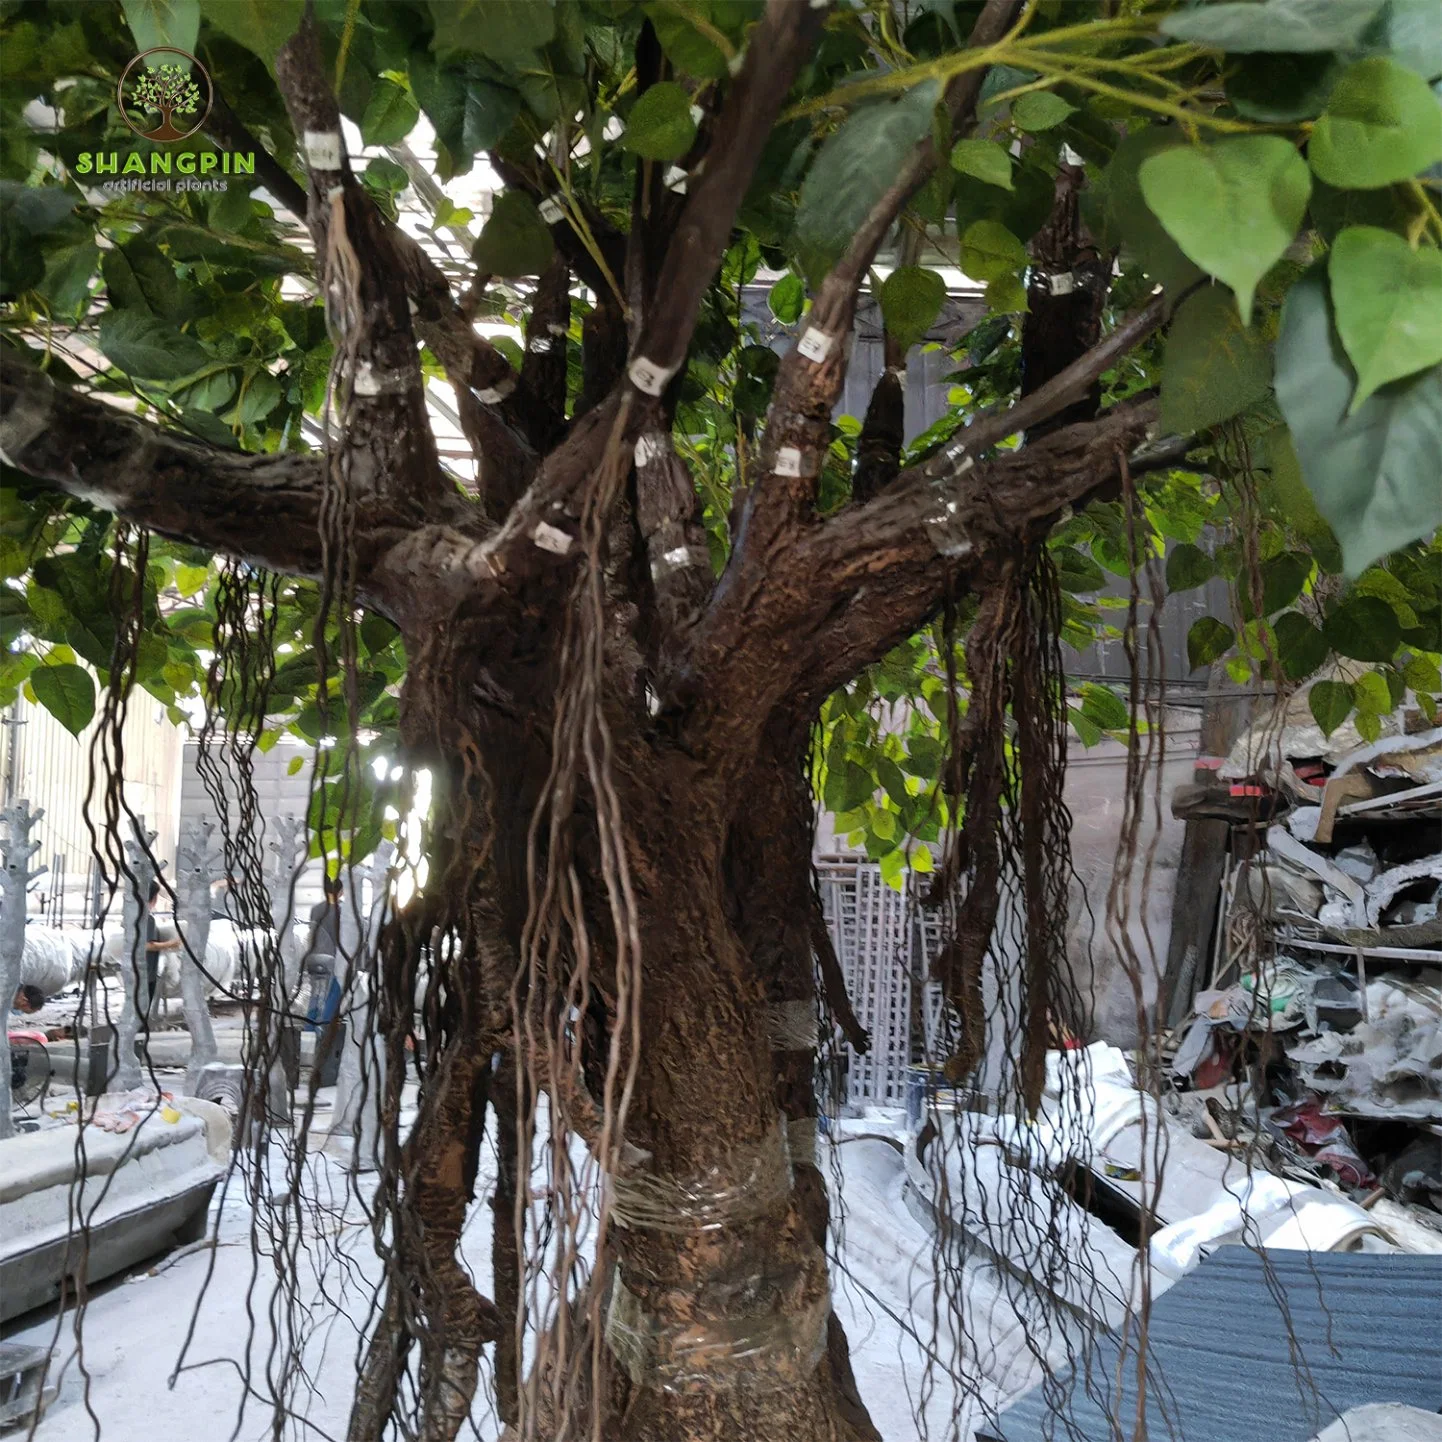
390	114
140	345
1330	703
660	126
1281	26
984	159
1373	472
911	298
514	240
853	169
1387	298
67	692
1039	110
1208	639
1382	123
1215	366
1233	207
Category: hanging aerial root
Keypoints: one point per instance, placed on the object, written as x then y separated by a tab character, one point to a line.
1005	773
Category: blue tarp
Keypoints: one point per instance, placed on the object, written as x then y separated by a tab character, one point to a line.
1367	1328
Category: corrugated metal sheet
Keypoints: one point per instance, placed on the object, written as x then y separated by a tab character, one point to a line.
1366	1329
51	769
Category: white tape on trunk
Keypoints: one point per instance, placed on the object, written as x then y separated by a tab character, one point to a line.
788	461
650	448
322	149
1062	284
816	345
551	210
680	558
494	395
649	377
551	538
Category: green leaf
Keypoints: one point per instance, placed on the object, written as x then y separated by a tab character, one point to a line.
1382	123
984	159
686	46
1365	628
1421	673
911	299
989	251
1330	703
384	174
853	170
140	345
1188	567
390	114
1412	34
498	29
1301	647
1088	732
1279	26
1215	367
67	693
163	22
262	26
1282	580
1122	218
1387	299
1290	502
1233	207
294	765
787	299
468	114
190	579
660	126
1374	472
515	240
1104	708
1208	639
1373	693
1279	89
1006	295
1039	110
1077	572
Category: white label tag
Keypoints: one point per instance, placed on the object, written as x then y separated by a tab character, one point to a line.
551	538
788	461
492	395
551	210
676	179
322	149
649	448
541	345
815	345
1062	284
649	377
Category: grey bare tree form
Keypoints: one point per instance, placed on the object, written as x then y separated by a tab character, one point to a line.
167	90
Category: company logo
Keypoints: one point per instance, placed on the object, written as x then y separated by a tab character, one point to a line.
164	94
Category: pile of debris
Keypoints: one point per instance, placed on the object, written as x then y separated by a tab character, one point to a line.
1323	1013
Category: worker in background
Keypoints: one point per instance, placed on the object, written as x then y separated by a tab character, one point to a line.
321	953
155	943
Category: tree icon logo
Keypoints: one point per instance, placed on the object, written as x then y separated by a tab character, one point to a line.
164	94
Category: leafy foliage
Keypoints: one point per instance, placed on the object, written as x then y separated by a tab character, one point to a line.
1274	167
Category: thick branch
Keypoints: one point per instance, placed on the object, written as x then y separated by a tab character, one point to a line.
847	591
812	374
388	439
265	509
1063	390
774	53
